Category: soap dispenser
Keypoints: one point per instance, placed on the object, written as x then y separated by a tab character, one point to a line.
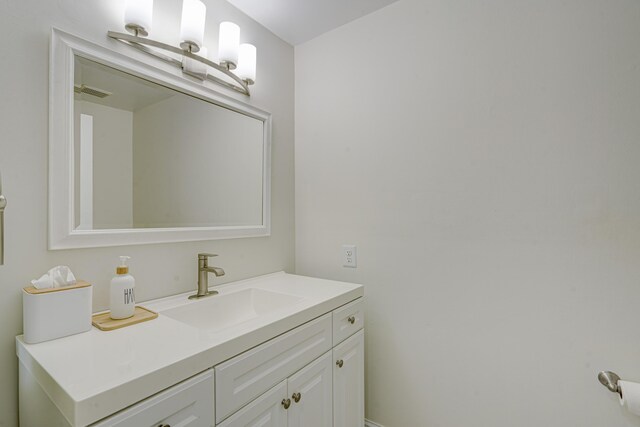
123	303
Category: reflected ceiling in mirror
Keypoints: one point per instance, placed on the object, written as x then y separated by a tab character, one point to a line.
141	154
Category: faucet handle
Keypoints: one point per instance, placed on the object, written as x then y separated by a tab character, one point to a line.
205	256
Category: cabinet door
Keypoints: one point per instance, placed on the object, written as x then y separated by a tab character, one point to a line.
252	373
310	391
266	411
348	382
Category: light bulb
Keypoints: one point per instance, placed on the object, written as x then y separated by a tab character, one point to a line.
247	63
192	25
228	45
137	16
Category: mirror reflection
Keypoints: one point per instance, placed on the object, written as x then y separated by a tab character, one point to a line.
147	156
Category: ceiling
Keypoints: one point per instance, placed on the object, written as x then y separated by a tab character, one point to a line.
298	21
129	93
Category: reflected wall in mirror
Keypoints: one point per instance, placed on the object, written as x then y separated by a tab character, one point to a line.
147	156
141	154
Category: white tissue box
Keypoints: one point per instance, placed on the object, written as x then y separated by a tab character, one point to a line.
52	313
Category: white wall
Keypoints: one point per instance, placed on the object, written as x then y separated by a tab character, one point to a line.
159	269
484	157
112	165
196	164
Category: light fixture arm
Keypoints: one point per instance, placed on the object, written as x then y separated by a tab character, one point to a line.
141	44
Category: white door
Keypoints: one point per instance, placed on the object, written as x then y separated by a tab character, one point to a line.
266	411
310	391
348	382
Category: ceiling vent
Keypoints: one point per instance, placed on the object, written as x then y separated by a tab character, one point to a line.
94	91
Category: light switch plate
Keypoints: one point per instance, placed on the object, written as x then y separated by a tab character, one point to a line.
349	256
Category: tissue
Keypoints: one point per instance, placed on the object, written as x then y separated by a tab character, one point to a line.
630	396
57	277
44	282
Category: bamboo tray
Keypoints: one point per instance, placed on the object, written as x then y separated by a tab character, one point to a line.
104	322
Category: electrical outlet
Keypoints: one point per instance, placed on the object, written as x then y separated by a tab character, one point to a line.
349	256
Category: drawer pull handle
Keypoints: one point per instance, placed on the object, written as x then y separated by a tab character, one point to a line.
286	403
339	363
164	425
296	397
352	319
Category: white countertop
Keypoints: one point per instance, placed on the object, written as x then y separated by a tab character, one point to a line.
94	374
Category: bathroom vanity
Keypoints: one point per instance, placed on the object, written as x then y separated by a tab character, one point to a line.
276	350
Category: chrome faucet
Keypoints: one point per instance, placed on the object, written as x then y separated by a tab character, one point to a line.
203	276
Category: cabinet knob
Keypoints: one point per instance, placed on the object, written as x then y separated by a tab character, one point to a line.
296	397
352	319
164	425
339	363
286	403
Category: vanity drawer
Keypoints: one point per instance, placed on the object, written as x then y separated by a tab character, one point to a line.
347	320
248	375
186	404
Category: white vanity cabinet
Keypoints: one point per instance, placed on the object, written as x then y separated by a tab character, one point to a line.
311	394
248	375
187	404
279	383
265	411
299	365
348	382
303	400
347	320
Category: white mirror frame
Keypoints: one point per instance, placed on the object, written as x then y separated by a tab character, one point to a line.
62	234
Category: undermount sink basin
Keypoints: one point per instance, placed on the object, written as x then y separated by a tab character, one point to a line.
222	311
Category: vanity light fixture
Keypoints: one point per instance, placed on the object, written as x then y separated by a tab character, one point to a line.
137	17
237	62
229	44
192	26
247	63
195	68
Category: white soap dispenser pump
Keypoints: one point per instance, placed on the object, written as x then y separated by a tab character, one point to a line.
122	301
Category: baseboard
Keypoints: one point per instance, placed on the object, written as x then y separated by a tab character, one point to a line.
368	423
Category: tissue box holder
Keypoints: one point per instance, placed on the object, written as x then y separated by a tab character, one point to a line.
53	313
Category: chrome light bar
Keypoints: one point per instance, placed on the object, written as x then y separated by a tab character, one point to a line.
142	43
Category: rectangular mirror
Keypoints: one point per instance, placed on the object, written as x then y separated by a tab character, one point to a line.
147	156
142	155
